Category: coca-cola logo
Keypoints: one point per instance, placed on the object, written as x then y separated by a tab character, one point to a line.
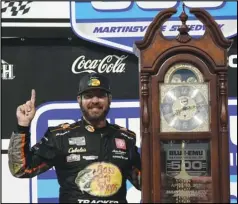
109	64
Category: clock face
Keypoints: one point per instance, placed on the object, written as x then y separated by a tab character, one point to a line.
184	108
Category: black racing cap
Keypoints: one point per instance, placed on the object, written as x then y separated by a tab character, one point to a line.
94	81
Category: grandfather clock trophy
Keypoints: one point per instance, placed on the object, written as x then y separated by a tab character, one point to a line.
184	113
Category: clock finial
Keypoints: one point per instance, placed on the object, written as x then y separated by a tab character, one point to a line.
184	29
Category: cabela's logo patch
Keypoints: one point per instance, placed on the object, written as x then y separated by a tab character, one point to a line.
77	150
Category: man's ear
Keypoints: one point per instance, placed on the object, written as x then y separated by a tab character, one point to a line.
79	99
110	98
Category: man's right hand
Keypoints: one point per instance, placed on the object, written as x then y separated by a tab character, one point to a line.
26	112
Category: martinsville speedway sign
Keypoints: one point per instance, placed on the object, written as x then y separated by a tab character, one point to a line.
116	24
119	24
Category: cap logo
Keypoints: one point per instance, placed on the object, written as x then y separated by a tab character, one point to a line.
94	82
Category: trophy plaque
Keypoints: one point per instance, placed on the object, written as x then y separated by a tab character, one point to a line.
184	112
182	164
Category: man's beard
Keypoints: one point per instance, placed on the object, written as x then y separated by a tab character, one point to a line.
94	118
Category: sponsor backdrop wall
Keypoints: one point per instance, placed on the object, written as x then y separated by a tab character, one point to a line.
51	58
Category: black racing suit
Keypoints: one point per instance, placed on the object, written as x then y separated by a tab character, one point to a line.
92	165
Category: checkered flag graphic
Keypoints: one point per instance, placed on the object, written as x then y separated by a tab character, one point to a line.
16	7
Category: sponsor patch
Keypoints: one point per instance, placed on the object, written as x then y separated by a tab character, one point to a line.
120	143
90	128
73	157
61	133
80	141
125	135
100	179
119	157
118	152
91	157
77	150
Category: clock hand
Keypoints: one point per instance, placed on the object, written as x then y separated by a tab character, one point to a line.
177	112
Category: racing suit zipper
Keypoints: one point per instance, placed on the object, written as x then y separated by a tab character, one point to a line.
101	148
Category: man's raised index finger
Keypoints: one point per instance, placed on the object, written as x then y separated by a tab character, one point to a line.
33	96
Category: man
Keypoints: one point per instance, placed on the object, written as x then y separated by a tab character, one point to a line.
92	158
